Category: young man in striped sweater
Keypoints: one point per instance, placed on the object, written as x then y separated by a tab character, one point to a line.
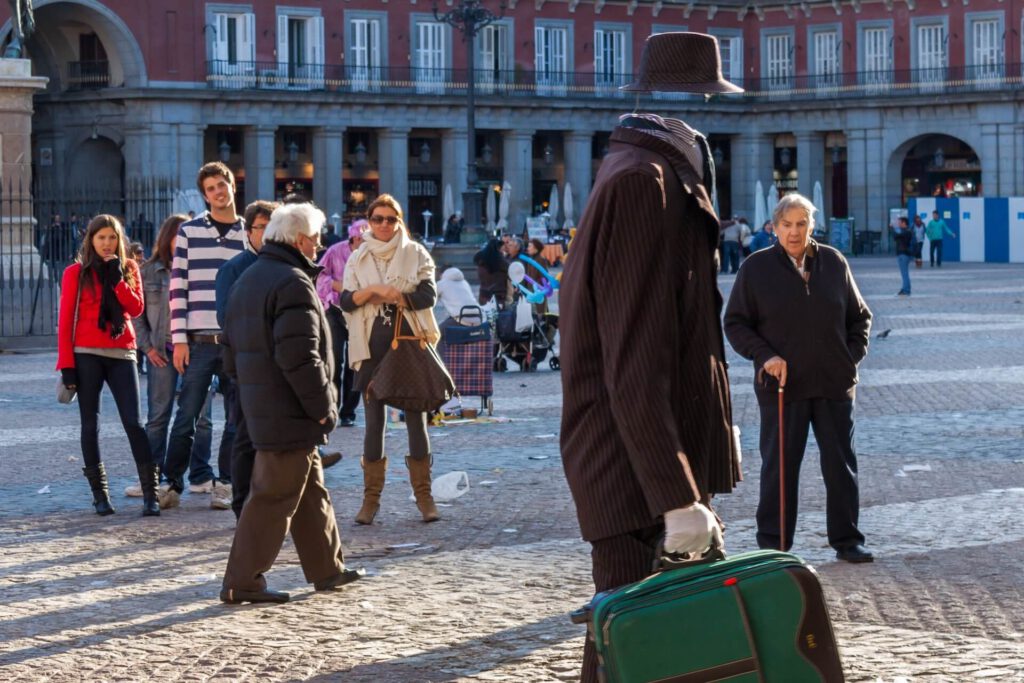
202	246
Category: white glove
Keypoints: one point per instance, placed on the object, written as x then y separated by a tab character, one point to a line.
691	529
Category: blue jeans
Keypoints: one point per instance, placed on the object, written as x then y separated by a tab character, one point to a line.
904	261
730	256
204	363
161	387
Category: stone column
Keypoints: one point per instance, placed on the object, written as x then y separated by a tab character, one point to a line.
752	160
877	217
454	148
577	169
190	154
989	154
393	163
327	160
810	159
858	181
138	158
259	162
518	168
1018	153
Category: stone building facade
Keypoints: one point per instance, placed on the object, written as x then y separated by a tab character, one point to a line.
875	101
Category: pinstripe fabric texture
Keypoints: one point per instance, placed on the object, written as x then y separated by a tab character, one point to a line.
681	62
646	421
199	252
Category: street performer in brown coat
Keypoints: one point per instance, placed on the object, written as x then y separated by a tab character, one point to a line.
647	417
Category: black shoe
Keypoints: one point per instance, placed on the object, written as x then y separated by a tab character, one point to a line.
236	597
329	459
347	422
855	553
339	580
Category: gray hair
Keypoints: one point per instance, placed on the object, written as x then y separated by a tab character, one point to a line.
291	220
793	201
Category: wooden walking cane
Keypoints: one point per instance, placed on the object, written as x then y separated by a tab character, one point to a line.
782	475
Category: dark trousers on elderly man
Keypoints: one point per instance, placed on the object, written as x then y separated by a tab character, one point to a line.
832	422
287	494
617	561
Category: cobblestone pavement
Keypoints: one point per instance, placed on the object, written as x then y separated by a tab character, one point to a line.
484	594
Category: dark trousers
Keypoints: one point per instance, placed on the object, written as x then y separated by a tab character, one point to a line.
123	379
204	363
935	253
376	426
832	422
616	561
730	256
243	459
344	376
288	495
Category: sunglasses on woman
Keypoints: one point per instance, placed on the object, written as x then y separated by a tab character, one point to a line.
380	220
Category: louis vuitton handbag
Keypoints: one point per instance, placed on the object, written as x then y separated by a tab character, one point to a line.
411	376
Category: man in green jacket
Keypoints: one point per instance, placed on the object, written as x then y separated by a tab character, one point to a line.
936	230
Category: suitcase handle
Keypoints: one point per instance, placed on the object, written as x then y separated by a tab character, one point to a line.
479	313
664	561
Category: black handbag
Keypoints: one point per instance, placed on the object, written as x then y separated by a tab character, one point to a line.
467	334
411	376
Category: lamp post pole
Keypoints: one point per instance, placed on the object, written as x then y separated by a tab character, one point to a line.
468	17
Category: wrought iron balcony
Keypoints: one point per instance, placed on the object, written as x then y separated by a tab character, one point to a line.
527	84
87	75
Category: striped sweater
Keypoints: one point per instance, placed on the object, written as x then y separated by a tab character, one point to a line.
199	251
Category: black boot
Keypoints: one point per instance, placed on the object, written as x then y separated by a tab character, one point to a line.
149	478
97	477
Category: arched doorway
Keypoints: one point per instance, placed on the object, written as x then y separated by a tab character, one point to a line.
939	166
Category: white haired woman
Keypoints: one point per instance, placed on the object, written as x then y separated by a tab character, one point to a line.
387	267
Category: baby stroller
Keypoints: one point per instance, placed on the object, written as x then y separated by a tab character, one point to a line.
526	348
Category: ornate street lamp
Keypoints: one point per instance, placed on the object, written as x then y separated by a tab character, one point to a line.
468	17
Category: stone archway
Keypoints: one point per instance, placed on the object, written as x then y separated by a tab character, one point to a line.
933	164
55	53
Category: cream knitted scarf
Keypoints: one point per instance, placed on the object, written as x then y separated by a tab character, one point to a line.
399	262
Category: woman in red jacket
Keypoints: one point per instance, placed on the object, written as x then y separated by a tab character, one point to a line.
100	294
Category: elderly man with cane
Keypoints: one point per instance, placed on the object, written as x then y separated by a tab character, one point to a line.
795	310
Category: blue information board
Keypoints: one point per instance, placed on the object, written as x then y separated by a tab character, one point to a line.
841	234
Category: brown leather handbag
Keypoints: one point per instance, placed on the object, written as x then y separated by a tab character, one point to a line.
411	376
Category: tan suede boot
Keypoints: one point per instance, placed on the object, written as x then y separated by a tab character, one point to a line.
373	485
419	477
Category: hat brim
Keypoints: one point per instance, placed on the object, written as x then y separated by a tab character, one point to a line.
706	87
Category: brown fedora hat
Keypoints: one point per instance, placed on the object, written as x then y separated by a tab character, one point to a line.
681	62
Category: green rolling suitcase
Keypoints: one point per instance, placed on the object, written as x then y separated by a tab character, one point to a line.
758	617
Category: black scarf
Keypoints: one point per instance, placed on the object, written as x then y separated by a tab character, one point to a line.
111	311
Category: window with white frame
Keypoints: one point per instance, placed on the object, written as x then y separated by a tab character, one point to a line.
731	50
551	58
495	58
609	57
826	58
986	42
931	52
233	51
364	53
300	52
779	61
877	65
430	58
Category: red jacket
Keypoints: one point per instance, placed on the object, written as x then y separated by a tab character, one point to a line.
87	332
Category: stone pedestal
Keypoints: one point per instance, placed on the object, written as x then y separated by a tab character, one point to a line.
17	85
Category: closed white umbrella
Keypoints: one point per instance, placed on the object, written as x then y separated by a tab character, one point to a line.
503	205
568	224
553	206
773	199
819	203
760	211
491	208
447	204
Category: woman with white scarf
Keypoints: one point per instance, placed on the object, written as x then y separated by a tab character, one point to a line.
387	267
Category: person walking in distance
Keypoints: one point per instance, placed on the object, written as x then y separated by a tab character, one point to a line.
647	417
100	294
278	346
936	230
795	311
904	239
202	246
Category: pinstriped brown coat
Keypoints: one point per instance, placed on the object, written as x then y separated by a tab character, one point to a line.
647	416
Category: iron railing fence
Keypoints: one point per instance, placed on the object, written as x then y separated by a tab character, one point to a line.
41	234
521	83
87	75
